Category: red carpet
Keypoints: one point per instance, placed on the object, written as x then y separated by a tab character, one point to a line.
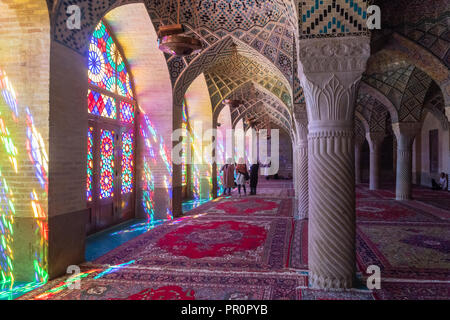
251	248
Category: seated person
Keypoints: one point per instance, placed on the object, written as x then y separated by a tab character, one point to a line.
443	182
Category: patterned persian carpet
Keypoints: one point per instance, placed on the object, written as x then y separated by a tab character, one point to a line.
250	247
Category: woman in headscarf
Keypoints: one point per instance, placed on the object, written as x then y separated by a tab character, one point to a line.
228	176
254	171
241	175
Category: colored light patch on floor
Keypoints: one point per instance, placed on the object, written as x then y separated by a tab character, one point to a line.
212	243
133	284
188	205
103	242
18	289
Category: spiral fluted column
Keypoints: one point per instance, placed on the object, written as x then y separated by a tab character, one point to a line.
302	179
331	71
375	140
405	133
332	208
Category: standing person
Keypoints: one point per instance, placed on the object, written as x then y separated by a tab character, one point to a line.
228	176
241	175
254	171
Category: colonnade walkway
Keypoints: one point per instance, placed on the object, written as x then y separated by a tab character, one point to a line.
251	247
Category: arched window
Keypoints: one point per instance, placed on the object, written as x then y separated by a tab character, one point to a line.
111	133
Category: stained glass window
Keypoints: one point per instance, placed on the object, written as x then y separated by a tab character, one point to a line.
127	162
101	105
106	67
106	164
123	83
90	163
102	59
126	112
110	100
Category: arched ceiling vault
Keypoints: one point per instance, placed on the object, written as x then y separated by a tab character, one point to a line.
251	94
237	65
250	111
404	85
262	116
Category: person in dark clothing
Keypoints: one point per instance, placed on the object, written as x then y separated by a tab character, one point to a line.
254	171
443	182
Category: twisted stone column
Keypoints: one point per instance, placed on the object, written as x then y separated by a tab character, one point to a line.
405	134
294	167
332	69
375	139
302	179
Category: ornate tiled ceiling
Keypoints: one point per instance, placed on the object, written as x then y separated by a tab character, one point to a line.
268	26
325	18
232	70
360	132
262	117
373	111
405	86
426	22
392	82
253	95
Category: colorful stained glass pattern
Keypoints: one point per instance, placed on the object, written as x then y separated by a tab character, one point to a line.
123	83
106	164
90	164
126	112
127	162
102	59
101	105
106	66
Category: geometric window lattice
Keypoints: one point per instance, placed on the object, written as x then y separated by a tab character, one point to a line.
110	97
106	164
101	105
126	112
90	164
106	67
127	162
102	59
123	80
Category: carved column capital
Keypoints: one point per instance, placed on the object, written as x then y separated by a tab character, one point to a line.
447	113
405	132
375	139
329	71
334	54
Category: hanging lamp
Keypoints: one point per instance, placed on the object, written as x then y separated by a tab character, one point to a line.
172	40
232	103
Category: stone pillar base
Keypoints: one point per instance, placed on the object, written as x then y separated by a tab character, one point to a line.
320	282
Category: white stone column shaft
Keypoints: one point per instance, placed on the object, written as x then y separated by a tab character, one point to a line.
405	134
375	140
331	71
